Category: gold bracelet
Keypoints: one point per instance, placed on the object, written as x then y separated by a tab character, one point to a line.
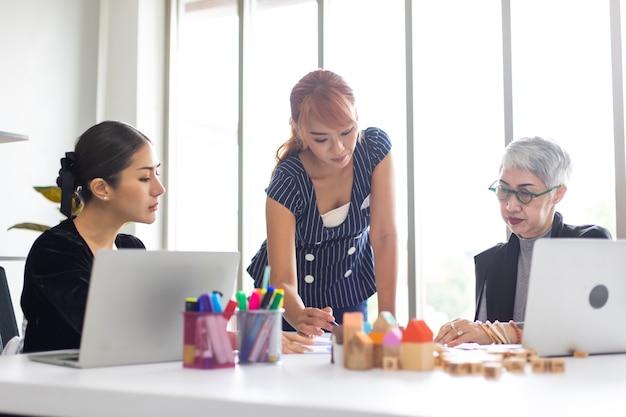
506	336
501	340
486	330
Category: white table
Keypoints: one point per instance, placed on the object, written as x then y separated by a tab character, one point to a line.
308	385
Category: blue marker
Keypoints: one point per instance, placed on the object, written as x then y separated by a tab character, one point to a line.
216	302
204	303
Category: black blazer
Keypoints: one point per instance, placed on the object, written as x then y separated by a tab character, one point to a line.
497	267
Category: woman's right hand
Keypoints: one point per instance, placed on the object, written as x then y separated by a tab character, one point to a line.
313	321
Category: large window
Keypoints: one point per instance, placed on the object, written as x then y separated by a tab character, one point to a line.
458	123
203	155
281	47
562	89
375	67
439	81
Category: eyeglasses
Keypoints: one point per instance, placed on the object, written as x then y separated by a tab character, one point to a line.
523	195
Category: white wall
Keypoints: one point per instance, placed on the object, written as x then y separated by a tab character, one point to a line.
131	81
65	65
48	92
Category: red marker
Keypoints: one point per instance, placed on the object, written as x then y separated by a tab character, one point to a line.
230	309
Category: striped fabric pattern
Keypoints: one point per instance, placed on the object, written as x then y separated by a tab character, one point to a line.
335	265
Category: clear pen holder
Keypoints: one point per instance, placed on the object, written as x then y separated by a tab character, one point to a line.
259	337
206	344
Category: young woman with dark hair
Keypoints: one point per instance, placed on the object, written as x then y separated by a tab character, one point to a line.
113	170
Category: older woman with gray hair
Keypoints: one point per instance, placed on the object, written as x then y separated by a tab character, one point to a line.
533	176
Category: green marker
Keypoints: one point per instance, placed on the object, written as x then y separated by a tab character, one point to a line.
242	301
279	293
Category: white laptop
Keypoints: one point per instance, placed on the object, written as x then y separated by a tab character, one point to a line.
135	303
576	297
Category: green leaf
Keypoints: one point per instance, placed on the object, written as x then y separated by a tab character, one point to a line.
30	226
51	192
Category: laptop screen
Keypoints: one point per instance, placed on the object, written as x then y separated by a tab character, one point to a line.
576	297
136	298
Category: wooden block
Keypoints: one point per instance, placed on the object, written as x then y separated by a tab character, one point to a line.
377	355
515	364
391	363
557	365
352	324
458	367
540	365
417	356
391	350
377	340
492	370
580	354
393	338
475	368
532	352
353	319
417	331
359	352
385	322
438	360
520	353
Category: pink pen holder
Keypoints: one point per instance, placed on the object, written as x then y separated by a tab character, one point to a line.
206	344
259	337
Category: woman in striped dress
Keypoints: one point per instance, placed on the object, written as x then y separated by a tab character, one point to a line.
330	215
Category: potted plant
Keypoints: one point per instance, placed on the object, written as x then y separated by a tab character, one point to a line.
51	193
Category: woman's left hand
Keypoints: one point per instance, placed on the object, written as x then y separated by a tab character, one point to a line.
460	331
295	343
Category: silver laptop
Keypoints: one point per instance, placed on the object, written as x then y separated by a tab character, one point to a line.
576	297
135	303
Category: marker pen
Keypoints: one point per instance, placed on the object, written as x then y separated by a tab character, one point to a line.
242	301
189	331
266	276
204	303
265	301
279	293
254	301
216	302
191	304
230	309
204	352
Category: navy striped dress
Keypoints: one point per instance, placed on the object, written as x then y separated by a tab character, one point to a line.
335	265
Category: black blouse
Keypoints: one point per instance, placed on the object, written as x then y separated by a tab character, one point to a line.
56	281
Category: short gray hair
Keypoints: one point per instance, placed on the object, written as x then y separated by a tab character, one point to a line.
544	158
